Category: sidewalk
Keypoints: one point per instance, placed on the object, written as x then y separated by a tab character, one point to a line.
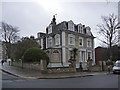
33	74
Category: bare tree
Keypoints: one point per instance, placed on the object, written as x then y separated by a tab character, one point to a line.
9	35
108	31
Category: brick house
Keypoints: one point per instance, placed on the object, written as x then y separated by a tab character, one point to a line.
101	54
60	39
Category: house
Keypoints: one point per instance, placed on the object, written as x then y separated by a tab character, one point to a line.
119	23
101	54
60	40
1	51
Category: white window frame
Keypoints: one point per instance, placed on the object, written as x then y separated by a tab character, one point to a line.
79	41
88	30
57	39
71	25
89	42
49	29
73	38
80	28
49	42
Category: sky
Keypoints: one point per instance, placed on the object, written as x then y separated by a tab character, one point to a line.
34	16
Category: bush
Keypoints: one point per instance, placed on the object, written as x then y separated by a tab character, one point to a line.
35	55
109	62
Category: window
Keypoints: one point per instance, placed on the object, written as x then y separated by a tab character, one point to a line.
70	54
88	30
71	39
88	42
80	29
50	29
50	42
89	55
80	41
70	25
57	39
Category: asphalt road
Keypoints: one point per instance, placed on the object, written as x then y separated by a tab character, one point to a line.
97	81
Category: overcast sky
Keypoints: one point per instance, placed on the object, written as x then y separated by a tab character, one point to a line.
34	17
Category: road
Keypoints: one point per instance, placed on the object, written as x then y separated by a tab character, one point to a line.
97	81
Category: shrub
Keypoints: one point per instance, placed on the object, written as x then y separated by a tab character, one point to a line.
109	62
35	55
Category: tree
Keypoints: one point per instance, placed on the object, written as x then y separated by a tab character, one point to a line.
35	55
21	46
74	52
108	31
9	35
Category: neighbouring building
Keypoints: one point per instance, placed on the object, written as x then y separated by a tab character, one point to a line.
41	38
100	54
60	39
119	22
1	51
3	55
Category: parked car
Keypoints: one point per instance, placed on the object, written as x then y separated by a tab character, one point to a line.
116	68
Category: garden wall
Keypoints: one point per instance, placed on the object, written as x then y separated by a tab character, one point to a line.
60	69
26	65
32	66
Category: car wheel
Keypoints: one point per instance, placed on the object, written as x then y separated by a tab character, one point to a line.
113	72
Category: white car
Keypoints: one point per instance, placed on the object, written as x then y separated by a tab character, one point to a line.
116	68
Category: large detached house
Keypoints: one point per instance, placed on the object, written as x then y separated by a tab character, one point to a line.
60	39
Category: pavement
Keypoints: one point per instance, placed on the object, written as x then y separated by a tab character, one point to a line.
35	74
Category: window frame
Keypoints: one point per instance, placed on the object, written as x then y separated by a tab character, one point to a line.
49	29
89	42
73	39
49	42
57	39
79	41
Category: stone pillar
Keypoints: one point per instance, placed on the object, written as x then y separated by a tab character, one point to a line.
89	65
41	43
64	49
43	66
74	65
46	43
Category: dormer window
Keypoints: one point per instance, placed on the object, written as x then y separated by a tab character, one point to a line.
80	28
57	39
88	30
71	26
49	29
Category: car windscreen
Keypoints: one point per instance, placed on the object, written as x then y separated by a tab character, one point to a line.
117	64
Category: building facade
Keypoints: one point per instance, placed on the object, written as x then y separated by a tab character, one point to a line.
119	22
1	54
60	40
